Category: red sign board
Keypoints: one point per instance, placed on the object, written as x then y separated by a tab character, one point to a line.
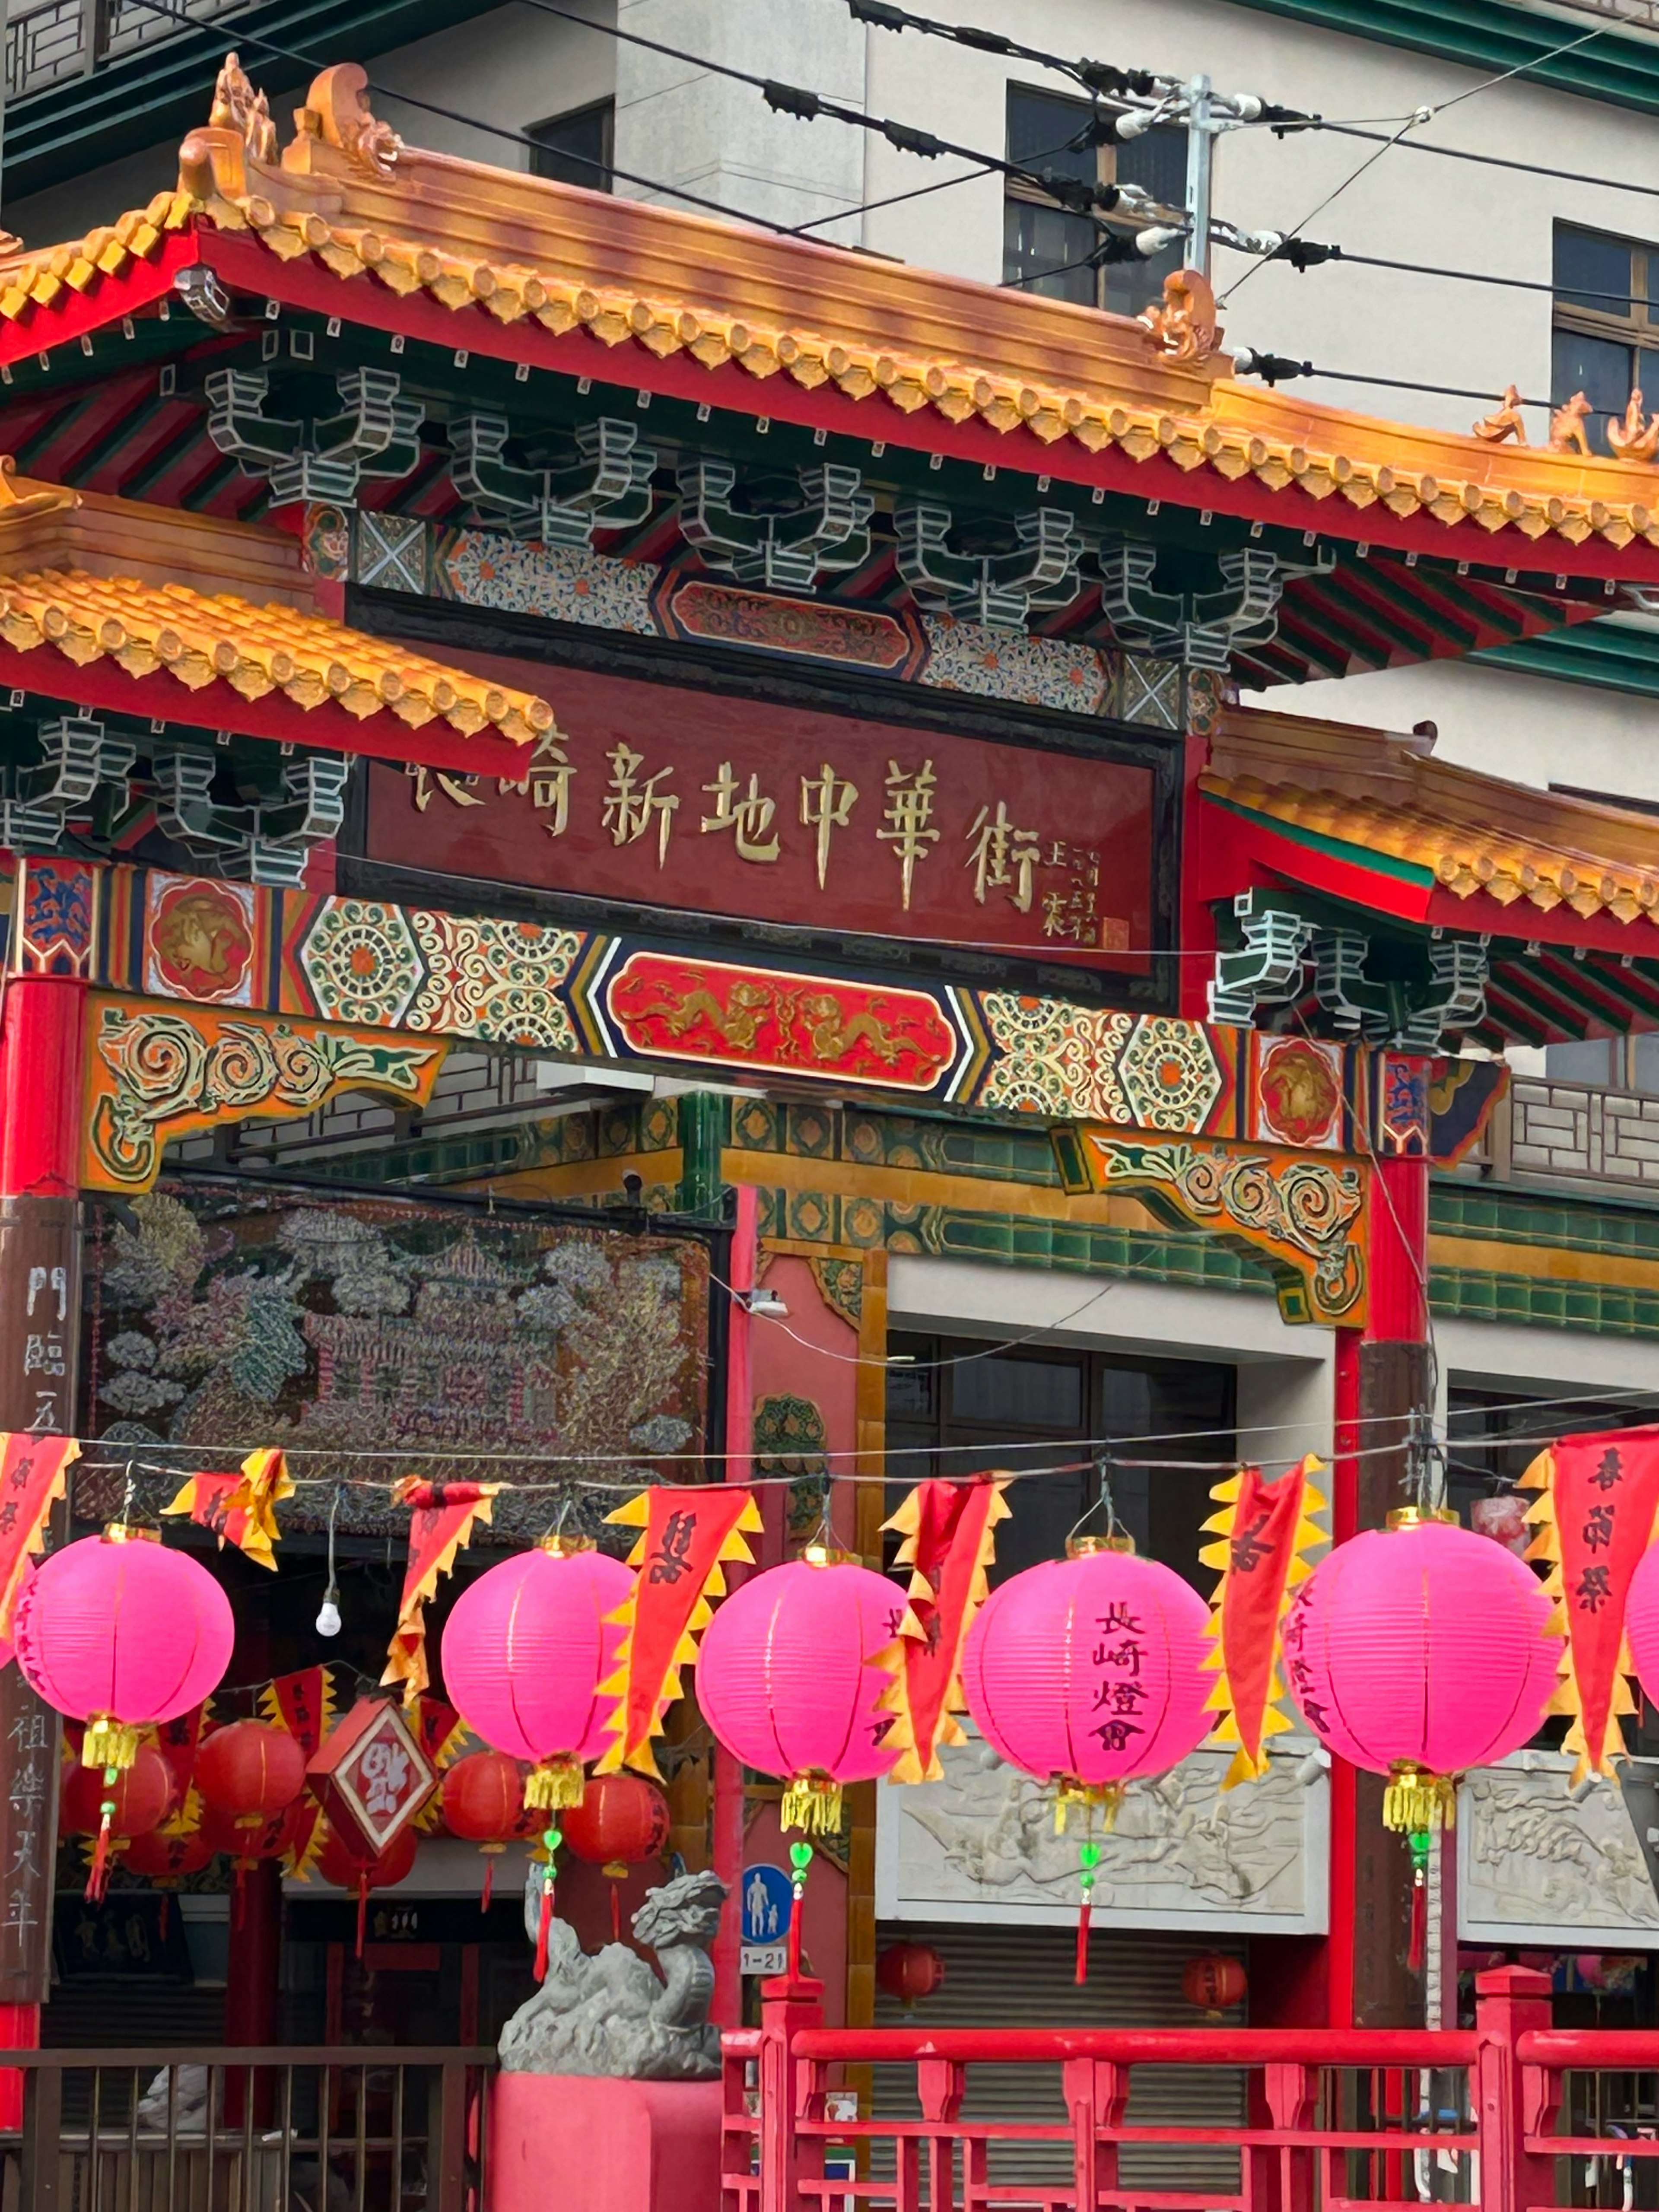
657	797
372	1776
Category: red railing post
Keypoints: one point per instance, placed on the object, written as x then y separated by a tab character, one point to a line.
787	2158
1097	2092
941	2084
1282	2178
1510	2002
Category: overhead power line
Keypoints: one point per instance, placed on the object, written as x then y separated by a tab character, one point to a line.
252	39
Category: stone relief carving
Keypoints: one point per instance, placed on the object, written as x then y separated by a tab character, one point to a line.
981	1844
1531	1861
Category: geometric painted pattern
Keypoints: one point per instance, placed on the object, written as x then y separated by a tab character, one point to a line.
1075	1063
1170	1075
367	961
359	958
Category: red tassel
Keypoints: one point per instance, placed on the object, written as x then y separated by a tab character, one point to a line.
99	1876
616	1912
544	1926
1419	1923
1084	1911
490	1885
362	1908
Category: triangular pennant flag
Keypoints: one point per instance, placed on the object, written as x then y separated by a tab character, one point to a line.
441	1732
1594	1516
440	1525
949	1546
303	1704
33	1476
686	1534
240	1508
1265	1531
177	1741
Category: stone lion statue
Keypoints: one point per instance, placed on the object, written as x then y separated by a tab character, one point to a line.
612	2014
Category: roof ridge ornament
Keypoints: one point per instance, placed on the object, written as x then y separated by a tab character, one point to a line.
337	114
238	107
1185	327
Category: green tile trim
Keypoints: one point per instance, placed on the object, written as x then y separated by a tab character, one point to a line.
1490	1211
1335	848
1490	35
1603	654
1471	1294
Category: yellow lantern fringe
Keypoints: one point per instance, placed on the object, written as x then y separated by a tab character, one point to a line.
1416	1803
553	1784
110	1743
1104	1797
812	1803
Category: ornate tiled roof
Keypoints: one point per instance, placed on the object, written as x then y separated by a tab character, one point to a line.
510	249
151	621
1474	835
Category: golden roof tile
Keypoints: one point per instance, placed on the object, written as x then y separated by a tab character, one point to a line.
515	248
196	637
1476	835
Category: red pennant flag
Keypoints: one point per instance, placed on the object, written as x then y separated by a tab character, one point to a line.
949	1548
440	1525
1265	1531
178	1741
1595	1516
303	1704
440	1731
33	1476
687	1533
240	1508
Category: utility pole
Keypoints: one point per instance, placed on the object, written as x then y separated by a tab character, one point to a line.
1204	114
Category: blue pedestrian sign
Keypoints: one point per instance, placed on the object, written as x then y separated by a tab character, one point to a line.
767	1898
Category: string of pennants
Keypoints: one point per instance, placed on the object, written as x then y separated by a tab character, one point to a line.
1595	1514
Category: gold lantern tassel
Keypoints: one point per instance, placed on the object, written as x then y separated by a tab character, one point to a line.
110	1743
553	1784
1416	1803
1105	1797
812	1802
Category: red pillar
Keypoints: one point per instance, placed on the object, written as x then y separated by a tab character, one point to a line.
726	2008
42	1046
1384	1379
253	1987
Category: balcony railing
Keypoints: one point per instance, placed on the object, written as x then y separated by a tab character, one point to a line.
281	2130
1573	1133
1509	2114
70	38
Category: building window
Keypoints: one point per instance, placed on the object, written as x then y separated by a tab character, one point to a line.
1606	338
954	1409
575	148
1045	248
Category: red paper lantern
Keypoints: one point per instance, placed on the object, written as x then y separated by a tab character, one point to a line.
910	1973
250	1772
337	1864
265	1840
162	1858
483	1804
621	1822
142	1794
1213	1983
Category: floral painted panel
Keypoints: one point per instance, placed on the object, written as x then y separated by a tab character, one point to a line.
470	1343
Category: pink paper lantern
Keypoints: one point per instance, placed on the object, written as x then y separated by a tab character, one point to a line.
524	1652
1642	1622
119	1632
1418	1651
1088	1671
788	1680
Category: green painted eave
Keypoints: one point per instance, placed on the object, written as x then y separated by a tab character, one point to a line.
1603	653
1335	848
1490	36
160	91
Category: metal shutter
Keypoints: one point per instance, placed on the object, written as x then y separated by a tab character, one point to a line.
1001	1977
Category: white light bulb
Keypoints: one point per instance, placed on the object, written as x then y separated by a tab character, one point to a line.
328	1620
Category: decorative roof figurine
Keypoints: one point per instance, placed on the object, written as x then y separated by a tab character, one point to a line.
1185	327
1504	421
1632	436
1567	432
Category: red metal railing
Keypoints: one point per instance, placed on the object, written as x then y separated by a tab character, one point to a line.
1508	2116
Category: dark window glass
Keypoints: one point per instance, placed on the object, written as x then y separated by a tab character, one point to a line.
1028	1412
1157	163
1600	369
1592	272
1045	250
1039	129
575	148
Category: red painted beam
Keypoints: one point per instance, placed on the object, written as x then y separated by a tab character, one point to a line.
327	728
